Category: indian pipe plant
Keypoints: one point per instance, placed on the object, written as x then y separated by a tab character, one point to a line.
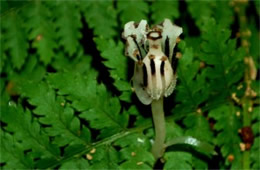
129	84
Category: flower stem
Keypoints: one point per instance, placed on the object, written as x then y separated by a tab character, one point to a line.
159	125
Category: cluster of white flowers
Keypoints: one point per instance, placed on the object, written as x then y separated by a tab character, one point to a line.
152	51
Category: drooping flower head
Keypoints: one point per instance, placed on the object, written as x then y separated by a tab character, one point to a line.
155	64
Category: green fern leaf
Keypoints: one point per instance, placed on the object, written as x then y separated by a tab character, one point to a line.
203	7
191	89
132	10
227	126
134	152
221	11
65	126
198	127
12	153
29	134
2	50
104	156
255	153
15	39
105	114
256	145
81	63
81	91
100	108
177	160
164	9
173	131
117	64
31	70
256	120
112	52
41	30
68	26
220	53
79	163
98	14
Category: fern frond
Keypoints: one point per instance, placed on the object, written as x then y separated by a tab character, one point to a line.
2	50
164	9
177	160
81	91
105	114
224	59
28	132
134	152
112	52
104	156
132	10
100	16
256	145
54	112
255	153
16	43
191	91
68	26
41	30
198	127
256	120
100	108
221	11
227	125
12	153
78	163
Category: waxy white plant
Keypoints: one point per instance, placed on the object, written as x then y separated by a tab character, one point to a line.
155	69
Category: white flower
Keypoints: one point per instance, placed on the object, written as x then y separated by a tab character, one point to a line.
152	50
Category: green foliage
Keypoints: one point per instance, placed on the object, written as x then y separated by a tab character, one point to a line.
2	50
79	163
164	9
66	98
135	152
220	10
68	25
132	10
57	115
117	65
27	135
198	127
227	124
15	40
178	160
105	113
191	91
225	60
256	131
105	156
255	153
40	29
98	14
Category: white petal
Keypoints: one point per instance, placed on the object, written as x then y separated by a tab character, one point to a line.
131	49
139	32
140	90
172	32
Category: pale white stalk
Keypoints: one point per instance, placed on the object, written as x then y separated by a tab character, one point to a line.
159	125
